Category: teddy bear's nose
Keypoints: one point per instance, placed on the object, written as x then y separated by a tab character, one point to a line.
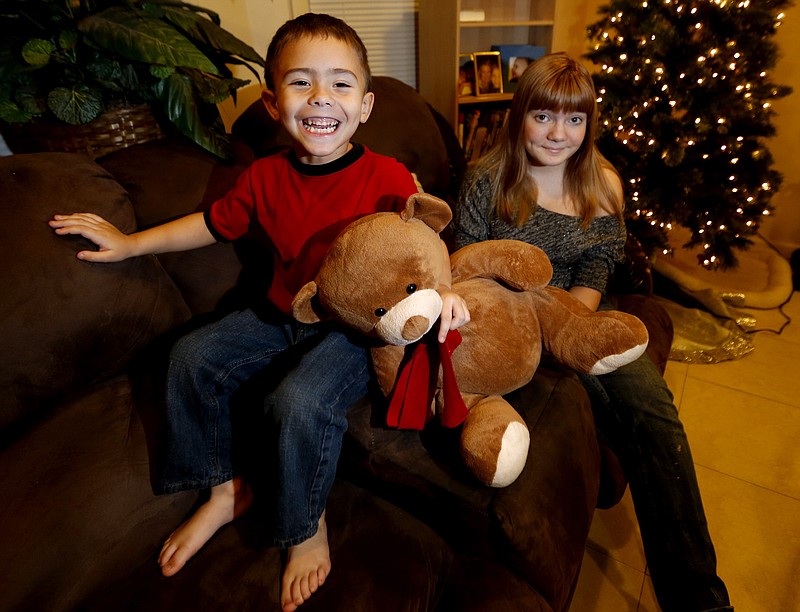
415	327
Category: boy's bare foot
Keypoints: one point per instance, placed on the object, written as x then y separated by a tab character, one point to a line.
307	566
227	502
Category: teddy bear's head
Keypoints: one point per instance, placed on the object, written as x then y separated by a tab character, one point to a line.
398	261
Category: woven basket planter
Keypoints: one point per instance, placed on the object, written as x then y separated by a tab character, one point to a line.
115	129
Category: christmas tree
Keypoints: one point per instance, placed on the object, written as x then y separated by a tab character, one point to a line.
685	102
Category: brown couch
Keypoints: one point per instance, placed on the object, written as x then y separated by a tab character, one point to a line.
83	349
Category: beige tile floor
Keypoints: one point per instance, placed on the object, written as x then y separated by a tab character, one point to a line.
742	418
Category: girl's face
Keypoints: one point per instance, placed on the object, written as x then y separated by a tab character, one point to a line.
320	97
551	138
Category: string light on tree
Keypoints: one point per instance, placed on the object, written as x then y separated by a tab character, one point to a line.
687	85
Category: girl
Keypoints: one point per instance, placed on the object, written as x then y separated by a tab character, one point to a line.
545	182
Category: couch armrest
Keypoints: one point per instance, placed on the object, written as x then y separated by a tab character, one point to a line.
538	525
634	274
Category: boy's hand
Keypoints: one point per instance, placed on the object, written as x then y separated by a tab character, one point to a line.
113	244
454	312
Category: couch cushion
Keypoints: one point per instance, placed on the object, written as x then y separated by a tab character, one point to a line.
173	177
538	524
80	512
383	559
65	322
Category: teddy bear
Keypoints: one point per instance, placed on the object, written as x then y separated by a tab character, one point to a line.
380	277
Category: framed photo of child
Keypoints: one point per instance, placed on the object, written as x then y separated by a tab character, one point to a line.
466	75
488	73
514	59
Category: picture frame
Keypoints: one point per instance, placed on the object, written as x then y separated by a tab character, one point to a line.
488	73
466	75
513	61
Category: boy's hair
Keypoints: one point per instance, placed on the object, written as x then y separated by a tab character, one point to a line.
556	83
314	25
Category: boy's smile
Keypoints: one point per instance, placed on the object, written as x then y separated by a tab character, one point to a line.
319	97
321	126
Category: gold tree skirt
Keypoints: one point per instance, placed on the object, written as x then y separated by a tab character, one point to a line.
745	299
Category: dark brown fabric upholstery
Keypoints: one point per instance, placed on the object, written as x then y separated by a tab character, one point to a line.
65	322
655	318
79	512
375	567
207	276
423	473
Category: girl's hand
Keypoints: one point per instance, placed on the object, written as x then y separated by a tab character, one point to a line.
454	312
113	244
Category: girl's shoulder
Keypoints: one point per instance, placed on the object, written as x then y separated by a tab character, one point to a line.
614	200
613	178
477	182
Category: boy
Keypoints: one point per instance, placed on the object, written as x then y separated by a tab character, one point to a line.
318	86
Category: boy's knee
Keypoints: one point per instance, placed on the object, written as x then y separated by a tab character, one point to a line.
286	402
189	352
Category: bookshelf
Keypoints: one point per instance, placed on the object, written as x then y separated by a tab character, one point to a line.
443	36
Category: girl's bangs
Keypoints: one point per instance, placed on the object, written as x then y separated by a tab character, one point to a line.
565	95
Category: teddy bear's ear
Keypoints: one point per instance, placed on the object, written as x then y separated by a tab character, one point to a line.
432	211
305	305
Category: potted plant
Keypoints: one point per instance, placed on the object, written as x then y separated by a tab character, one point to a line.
70	61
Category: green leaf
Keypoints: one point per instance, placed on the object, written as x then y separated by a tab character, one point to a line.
178	103
11	113
210	33
213	16
212	89
133	35
161	72
68	40
130	80
104	69
28	101
77	105
115	77
37	52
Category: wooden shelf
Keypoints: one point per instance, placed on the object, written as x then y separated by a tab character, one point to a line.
443	37
502	97
504	24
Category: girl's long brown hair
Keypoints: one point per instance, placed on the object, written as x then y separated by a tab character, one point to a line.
557	83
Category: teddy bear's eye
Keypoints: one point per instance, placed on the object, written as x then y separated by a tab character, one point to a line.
411	288
379	312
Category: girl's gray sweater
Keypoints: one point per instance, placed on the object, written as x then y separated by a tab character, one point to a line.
579	257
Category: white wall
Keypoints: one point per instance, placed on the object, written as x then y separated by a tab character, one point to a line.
784	228
254	22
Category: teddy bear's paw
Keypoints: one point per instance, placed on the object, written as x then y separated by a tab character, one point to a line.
494	442
614	362
513	455
517	264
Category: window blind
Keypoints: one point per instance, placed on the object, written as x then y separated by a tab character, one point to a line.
388	29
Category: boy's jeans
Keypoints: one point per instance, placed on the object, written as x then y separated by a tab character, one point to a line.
309	408
636	417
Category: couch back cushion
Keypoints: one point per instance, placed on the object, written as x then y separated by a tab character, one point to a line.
173	177
65	322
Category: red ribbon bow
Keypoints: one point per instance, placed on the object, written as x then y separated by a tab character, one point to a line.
409	406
